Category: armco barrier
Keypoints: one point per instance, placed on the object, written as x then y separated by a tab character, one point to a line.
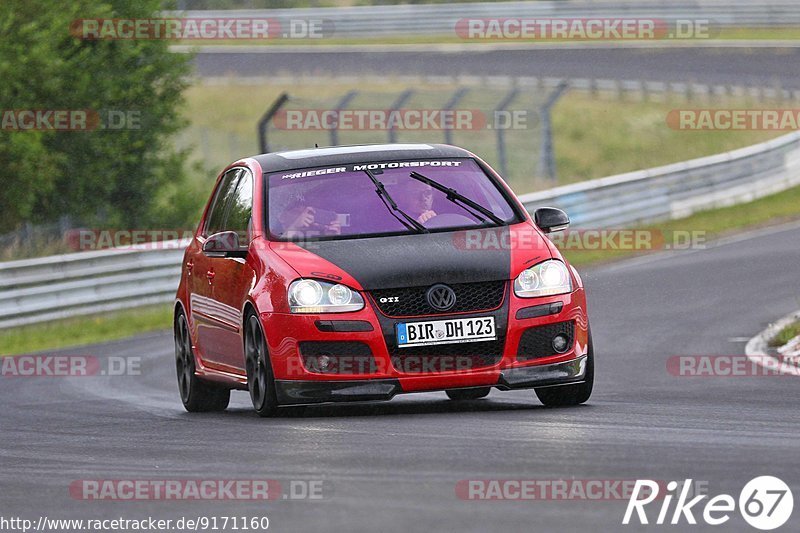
680	189
37	290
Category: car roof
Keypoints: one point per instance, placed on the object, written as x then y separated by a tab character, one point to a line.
360	153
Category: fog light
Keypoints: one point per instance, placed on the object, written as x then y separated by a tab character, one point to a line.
324	362
560	343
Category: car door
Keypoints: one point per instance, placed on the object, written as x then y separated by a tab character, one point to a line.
233	278
205	316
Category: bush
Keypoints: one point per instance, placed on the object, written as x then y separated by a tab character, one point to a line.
103	177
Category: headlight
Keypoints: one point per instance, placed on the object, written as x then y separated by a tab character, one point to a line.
545	279
340	295
312	296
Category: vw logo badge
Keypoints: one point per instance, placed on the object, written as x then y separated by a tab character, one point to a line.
441	297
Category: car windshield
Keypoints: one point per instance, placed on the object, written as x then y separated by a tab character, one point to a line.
342	202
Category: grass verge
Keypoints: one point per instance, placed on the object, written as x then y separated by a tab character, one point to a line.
79	331
712	224
785	335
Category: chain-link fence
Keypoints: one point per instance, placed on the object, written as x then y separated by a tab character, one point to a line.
504	120
36	240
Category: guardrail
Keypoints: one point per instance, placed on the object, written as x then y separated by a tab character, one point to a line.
61	286
38	290
679	189
440	19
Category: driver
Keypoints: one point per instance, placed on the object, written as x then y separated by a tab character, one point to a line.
417	201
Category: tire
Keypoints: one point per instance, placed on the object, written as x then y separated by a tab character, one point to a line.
568	395
468	394
198	396
260	379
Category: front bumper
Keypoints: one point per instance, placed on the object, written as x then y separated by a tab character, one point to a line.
297	392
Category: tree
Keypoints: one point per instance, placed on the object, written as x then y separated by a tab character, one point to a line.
110	175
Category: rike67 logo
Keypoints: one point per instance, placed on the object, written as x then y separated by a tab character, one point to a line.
765	503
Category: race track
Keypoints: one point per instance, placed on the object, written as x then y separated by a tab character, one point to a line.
394	466
737	66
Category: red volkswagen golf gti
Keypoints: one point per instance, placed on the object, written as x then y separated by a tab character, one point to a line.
357	273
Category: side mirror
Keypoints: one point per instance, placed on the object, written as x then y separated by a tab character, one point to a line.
225	244
550	219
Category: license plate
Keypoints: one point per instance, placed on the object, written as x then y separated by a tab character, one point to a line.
455	330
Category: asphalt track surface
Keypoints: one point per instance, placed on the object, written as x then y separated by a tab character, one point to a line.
737	66
394	466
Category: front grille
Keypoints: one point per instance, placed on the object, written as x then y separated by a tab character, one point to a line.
538	342
345	357
412	301
447	357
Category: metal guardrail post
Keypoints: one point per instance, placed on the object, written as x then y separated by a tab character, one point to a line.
341	104
460	93
547	157
501	137
399	103
263	123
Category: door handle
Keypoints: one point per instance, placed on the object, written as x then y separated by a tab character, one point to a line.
210	275
189	267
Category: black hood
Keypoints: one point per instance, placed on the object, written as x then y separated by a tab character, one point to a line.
418	259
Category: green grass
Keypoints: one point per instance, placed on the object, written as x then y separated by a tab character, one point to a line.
714	223
785	335
593	136
80	331
776	33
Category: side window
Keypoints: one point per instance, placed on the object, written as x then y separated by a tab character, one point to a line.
241	208
216	216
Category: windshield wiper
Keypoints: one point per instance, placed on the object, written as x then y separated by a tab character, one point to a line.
407	220
458	199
